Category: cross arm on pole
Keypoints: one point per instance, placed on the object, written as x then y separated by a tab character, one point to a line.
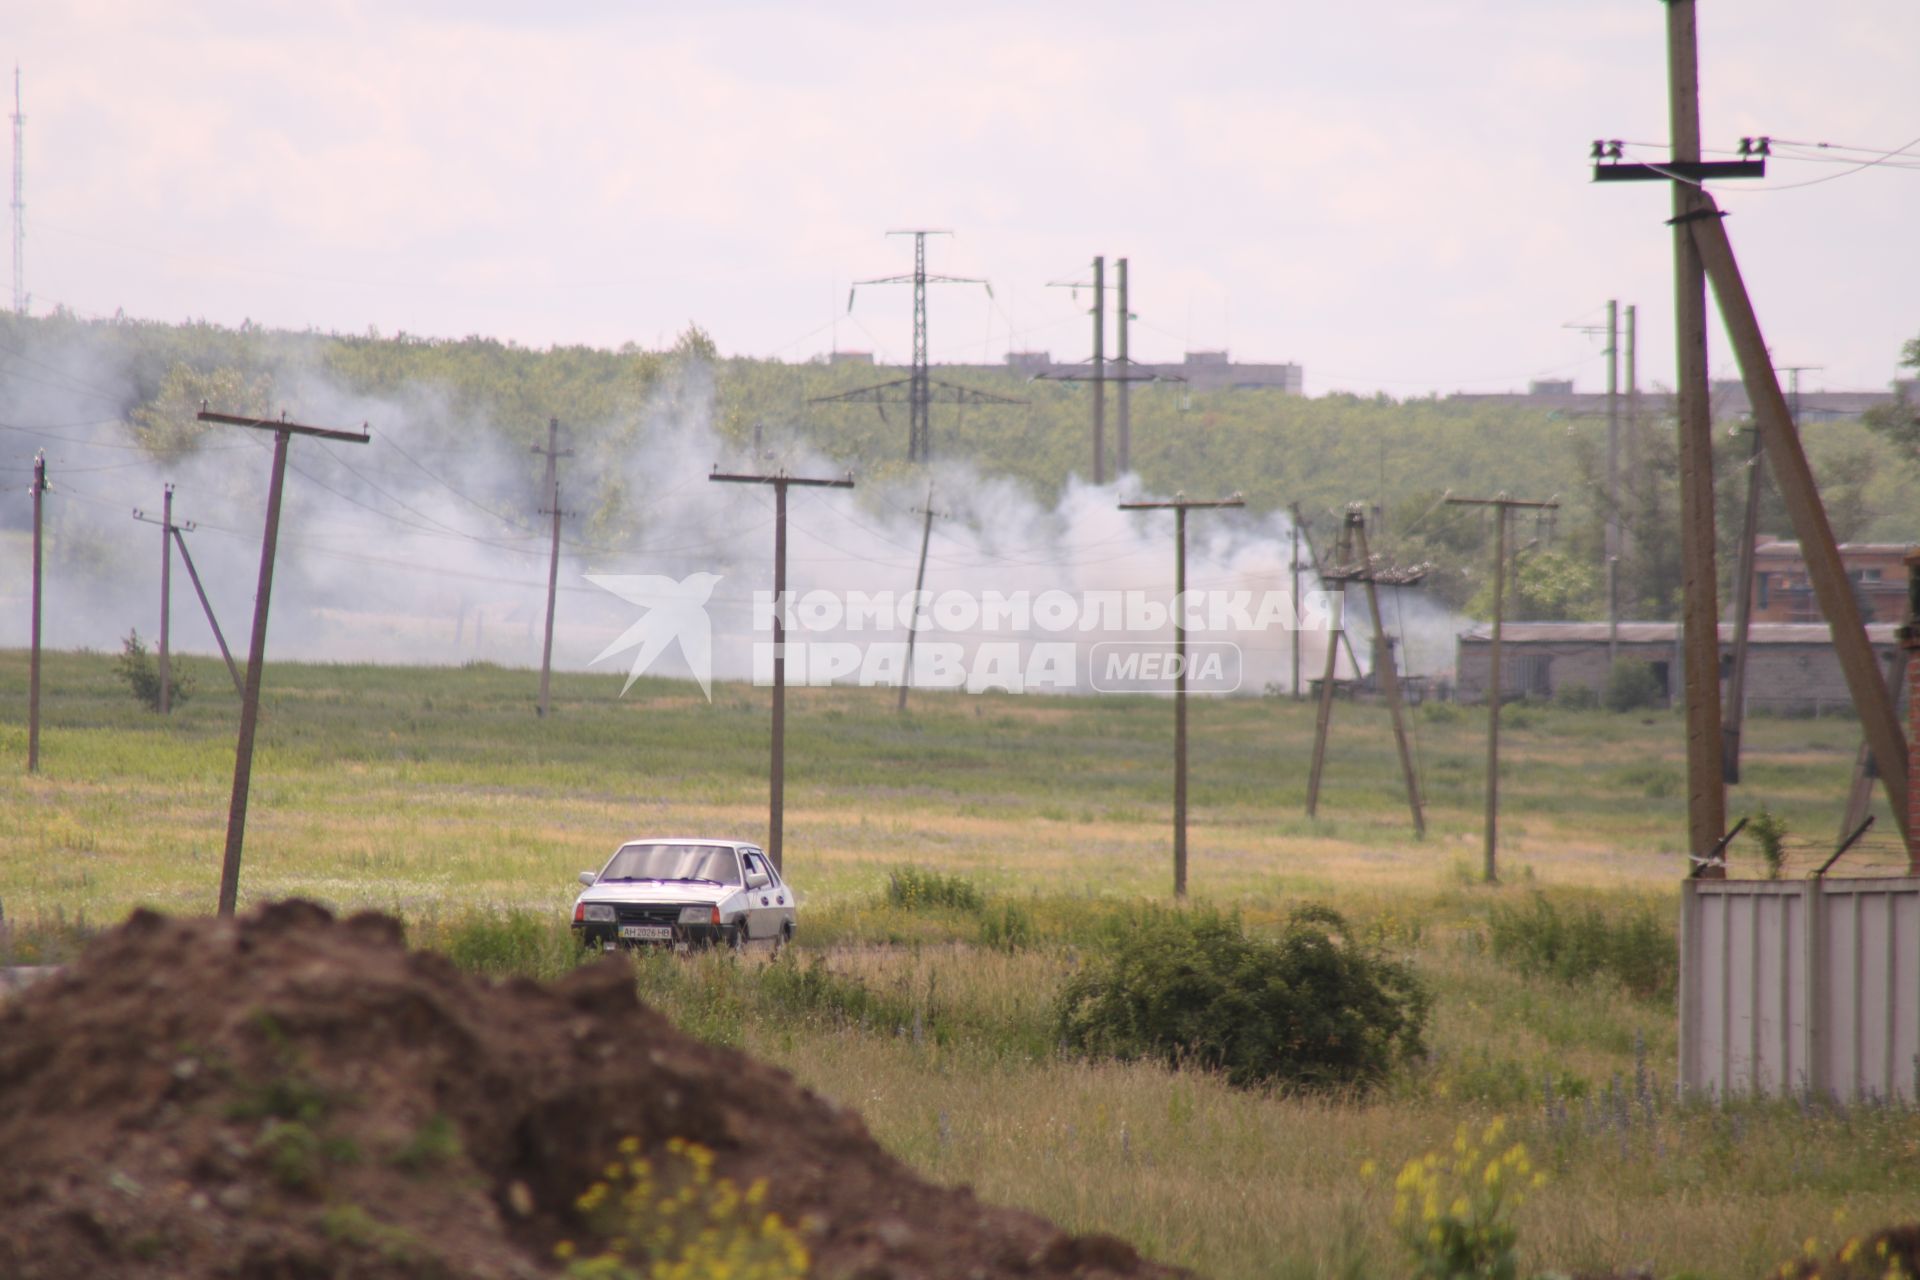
281	424
1179	503
782	478
144	518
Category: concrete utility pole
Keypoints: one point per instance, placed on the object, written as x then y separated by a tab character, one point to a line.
919	585
283	432
1503	507
777	771
39	490
1360	568
1180	505
1633	421
1612	536
553	453
1099	370
922	389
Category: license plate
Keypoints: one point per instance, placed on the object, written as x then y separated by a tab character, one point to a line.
647	932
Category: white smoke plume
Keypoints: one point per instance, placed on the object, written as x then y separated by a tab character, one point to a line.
427	545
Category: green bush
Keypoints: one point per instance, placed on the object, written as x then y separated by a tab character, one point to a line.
1630	686
1637	949
1576	697
1313	1007
138	671
917	889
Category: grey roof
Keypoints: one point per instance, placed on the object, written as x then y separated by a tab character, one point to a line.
1667	633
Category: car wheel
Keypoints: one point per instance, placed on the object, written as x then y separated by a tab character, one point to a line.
737	939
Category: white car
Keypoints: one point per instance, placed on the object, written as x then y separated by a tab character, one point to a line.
684	892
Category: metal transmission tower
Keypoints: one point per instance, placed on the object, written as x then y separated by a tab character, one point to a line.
920	386
19	202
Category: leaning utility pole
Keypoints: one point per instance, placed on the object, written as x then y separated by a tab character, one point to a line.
777	772
1180	505
919	585
1359	567
1503	507
33	650
920	385
283	433
206	607
553	453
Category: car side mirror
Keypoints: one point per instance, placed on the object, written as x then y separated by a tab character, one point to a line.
758	880
587	878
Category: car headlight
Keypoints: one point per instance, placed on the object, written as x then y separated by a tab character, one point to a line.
600	911
699	915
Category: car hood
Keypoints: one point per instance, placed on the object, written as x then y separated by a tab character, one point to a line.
657	891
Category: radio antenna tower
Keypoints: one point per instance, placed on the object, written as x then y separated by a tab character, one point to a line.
19	203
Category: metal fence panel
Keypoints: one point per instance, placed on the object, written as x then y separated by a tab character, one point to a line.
1801	986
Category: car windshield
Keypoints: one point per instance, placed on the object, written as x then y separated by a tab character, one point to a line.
705	863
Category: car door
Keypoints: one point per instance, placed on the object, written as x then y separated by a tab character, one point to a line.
763	919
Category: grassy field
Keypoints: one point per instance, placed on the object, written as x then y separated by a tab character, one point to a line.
438	794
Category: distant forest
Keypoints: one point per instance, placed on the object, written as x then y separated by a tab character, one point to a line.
1396	457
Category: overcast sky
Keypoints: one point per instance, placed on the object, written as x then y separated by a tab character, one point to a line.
1394	195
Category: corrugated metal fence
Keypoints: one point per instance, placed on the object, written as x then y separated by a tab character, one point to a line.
1792	986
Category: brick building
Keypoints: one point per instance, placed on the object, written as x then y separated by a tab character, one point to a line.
1782	591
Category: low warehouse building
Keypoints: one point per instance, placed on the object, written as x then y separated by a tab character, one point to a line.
1791	667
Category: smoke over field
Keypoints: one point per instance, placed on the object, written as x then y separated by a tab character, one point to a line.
428	544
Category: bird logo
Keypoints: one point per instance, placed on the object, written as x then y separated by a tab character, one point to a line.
674	611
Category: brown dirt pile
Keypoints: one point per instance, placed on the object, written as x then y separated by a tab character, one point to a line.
289	1096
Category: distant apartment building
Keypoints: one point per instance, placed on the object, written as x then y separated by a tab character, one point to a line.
1782	592
1199	370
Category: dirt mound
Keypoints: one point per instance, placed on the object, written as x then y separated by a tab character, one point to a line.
291	1096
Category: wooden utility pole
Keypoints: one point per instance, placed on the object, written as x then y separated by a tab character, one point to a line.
553	453
33	648
1180	505
283	432
1384	668
777	770
166	590
1294	568
1736	709
1700	639
1360	568
919	585
1503	507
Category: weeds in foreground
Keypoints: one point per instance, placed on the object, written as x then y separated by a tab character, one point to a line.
1454	1211
678	1220
1636	949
